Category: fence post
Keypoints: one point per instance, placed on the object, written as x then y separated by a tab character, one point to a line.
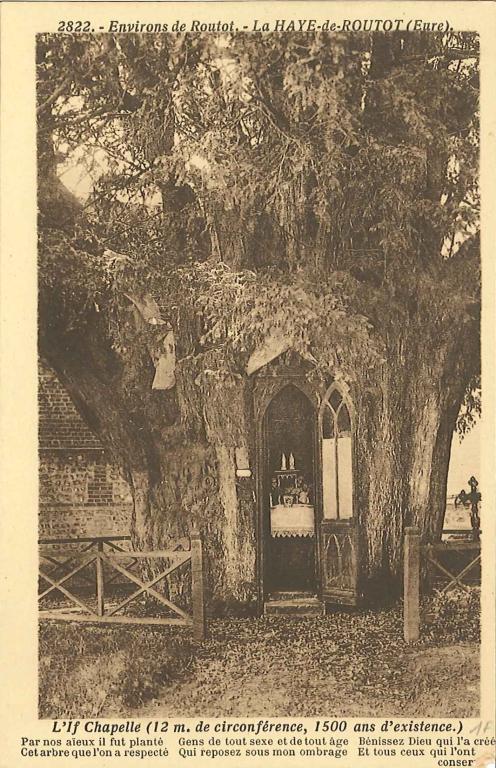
197	596
411	585
100	596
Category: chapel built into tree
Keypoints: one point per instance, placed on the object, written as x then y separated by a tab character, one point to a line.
266	299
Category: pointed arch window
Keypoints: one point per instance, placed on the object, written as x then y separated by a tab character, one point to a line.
337	462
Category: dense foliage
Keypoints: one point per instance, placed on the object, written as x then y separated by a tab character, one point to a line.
320	189
263	173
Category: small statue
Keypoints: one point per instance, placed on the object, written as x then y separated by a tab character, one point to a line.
291	461
283	462
303	497
275	495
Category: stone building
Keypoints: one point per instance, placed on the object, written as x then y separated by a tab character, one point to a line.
81	493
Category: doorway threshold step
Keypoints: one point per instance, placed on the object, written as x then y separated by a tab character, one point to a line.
292	594
307	605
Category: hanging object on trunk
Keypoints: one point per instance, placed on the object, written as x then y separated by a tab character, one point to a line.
162	348
165	363
242	462
147	308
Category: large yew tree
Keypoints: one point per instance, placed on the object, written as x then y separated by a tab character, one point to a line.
315	186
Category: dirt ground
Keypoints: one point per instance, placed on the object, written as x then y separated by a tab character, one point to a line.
340	665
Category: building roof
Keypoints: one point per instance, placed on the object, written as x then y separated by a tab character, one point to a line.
60	426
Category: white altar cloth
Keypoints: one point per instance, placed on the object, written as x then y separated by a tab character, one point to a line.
297	520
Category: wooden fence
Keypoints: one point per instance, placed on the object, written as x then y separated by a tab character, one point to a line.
97	566
417	553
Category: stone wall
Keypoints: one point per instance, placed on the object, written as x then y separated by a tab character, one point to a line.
81	493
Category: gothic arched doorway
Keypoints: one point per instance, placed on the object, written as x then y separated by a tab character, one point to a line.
289	484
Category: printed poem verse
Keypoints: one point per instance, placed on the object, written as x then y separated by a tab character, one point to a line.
448	744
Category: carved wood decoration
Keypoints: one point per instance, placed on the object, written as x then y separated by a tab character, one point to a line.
339	561
289	368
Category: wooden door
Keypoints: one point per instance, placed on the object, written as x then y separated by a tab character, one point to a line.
339	561
338	534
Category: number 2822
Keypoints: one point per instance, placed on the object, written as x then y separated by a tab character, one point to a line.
74	26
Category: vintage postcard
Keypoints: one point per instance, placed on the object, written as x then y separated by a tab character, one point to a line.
248	399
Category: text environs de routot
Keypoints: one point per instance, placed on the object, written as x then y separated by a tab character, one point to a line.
281	25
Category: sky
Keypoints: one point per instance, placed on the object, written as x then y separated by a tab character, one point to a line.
465	460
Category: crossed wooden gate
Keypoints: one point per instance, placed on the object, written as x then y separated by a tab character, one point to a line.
434	552
58	567
414	550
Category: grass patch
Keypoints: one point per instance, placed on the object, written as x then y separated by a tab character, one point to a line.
89	671
453	616
347	664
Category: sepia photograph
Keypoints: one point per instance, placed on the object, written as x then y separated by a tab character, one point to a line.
259	374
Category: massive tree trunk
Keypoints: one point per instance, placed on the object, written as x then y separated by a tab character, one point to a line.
405	429
177	450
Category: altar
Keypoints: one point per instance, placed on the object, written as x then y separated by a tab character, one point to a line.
295	520
291	510
291	506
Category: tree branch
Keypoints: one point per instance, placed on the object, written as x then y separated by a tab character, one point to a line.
55	95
